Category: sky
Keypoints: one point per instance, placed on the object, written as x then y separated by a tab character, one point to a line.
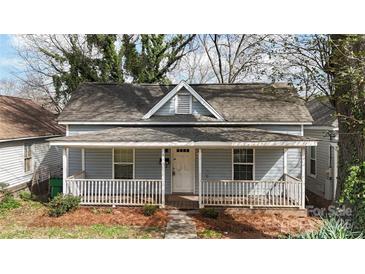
10	63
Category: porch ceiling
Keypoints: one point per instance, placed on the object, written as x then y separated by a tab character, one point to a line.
184	136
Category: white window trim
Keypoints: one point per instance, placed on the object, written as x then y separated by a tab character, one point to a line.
253	163
315	162
120	163
31	159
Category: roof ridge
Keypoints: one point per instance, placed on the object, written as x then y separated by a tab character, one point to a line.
273	84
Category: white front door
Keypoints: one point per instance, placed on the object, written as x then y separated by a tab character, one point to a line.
183	170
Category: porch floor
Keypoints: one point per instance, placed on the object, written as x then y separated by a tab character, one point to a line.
183	201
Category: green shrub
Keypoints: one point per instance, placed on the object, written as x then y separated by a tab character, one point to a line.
62	204
209	212
8	202
149	210
25	195
333	228
353	194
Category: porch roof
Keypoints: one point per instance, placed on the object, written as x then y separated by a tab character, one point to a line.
183	136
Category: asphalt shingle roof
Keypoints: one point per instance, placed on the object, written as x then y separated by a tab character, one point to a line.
322	111
182	134
96	102
22	118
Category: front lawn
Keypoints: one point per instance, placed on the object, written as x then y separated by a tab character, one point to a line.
31	221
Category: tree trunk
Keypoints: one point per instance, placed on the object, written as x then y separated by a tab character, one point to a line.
347	65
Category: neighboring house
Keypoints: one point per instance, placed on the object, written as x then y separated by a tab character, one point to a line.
222	144
321	179
25	155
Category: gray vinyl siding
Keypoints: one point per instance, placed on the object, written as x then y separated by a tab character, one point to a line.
294	162
167	109
82	129
269	164
98	163
199	109
321	184
74	163
286	129
147	165
12	160
216	165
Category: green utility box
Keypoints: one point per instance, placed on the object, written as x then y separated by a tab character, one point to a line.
56	186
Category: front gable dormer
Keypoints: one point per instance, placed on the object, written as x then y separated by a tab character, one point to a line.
183	99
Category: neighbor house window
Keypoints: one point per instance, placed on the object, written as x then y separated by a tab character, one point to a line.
243	164
27	158
313	162
123	164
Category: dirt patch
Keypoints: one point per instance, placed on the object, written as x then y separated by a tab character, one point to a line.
103	215
236	224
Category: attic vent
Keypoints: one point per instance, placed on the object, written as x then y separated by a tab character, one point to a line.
183	104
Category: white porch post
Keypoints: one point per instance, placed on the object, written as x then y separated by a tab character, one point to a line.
200	179
163	176
303	177
83	160
285	171
65	168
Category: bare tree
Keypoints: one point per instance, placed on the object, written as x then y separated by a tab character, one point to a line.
235	58
303	61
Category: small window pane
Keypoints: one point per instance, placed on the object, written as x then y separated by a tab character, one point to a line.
313	152
243	172
123	155
313	167
123	171
243	155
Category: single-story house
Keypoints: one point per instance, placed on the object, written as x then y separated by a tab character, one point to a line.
225	144
25	155
322	167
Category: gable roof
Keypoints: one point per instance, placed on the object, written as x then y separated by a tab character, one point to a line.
323	112
173	92
22	118
98	102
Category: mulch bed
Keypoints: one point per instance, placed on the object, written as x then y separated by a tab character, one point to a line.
237	225
85	216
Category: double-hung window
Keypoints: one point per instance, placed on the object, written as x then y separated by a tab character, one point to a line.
243	164
313	161
27	158
123	164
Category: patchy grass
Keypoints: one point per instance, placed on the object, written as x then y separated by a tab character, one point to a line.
31	221
210	234
80	232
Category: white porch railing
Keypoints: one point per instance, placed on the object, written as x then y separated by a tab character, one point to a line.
252	193
116	192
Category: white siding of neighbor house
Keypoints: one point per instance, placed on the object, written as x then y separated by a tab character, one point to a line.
12	160
320	185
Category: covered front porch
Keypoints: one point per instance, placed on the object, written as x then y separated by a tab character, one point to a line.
212	177
259	172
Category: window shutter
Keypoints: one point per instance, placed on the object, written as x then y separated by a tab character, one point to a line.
183	105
